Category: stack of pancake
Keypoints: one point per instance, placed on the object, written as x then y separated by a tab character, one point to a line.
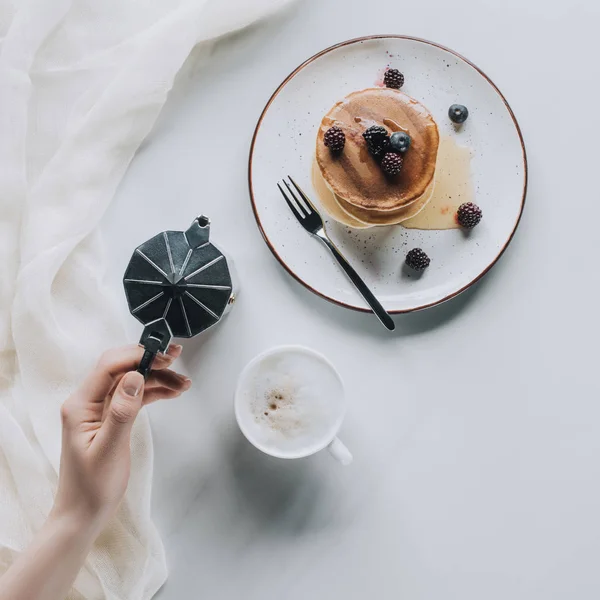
362	194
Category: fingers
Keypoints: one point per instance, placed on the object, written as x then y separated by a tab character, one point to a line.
160	393
168	378
115	363
165	384
123	409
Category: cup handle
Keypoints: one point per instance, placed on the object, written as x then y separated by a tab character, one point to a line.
338	450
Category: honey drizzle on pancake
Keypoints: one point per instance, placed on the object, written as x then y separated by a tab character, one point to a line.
393	126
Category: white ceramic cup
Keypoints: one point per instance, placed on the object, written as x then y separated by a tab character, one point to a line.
324	432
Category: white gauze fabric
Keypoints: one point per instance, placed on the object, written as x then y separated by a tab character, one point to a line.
81	85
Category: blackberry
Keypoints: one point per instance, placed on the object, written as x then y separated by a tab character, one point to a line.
468	215
400	141
377	139
391	163
458	113
335	139
393	79
417	259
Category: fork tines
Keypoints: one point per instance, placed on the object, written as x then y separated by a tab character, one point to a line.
300	205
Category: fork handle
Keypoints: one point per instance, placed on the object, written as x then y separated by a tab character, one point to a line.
360	285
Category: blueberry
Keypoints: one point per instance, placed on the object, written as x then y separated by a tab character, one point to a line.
458	113
400	141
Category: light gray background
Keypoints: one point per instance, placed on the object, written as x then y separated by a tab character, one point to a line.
475	428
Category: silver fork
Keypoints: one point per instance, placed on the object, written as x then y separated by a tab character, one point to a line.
311	220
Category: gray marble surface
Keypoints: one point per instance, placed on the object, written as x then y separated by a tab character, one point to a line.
475	428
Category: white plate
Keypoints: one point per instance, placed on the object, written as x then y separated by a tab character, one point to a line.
284	143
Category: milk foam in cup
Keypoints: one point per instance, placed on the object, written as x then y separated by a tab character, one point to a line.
289	403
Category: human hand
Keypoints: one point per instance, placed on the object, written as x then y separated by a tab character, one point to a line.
97	421
94	469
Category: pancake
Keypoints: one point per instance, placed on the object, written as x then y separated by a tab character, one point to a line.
335	208
391	217
355	177
330	203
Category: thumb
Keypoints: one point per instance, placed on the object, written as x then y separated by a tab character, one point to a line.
124	406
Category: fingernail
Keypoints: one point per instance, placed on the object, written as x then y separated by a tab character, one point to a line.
132	383
187	382
174	349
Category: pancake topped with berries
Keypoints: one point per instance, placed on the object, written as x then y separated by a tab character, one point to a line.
377	151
